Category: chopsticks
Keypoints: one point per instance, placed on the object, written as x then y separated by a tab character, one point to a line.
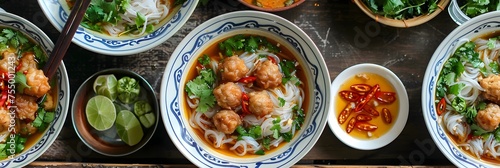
64	39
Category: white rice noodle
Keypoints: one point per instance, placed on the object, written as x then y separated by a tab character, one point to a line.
492	147
475	146
252	120
153	11
247	144
455	124
198	121
276	142
215	137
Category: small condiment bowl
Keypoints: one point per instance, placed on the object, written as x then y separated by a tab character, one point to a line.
108	142
399	122
253	6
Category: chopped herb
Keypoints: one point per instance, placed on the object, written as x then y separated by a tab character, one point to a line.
276	128
204	60
473	8
240	43
282	102
401	9
288	67
202	88
299	117
287	136
259	152
266	142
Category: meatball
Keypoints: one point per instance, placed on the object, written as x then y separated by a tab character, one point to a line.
226	121
26	106
4	119
260	103
489	118
491	85
38	82
27	128
27	61
6	61
233	69
268	75
228	95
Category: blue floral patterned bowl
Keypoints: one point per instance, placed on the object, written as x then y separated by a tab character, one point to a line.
32	152
468	31
173	104
57	12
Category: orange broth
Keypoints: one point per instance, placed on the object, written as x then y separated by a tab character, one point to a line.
215	54
385	86
268	3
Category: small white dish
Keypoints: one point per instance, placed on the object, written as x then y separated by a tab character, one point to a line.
400	121
57	12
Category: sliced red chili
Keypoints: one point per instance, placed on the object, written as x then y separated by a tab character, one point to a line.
361	87
3	97
441	106
360	104
364	126
344	114
371	111
385	97
198	64
248	79
350	95
272	59
350	125
362	117
386	115
244	104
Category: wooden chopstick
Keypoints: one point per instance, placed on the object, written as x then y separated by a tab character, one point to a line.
64	39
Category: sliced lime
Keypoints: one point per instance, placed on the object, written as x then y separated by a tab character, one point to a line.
147	120
101	112
106	85
128	128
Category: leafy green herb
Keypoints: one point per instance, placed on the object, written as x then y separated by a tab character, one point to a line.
20	80
287	136
260	152
254	132
477	130
299	117
491	43
43	119
240	43
202	87
266	142
288	67
401	9
204	60
473	8
276	128
103	11
282	102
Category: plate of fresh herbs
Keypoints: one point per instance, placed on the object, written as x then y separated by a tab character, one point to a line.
402	13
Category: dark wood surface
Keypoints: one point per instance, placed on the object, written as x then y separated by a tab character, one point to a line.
345	37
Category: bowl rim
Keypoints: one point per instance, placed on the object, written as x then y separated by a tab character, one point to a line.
402	117
118	47
295	4
472	28
146	86
415	21
36	150
172	117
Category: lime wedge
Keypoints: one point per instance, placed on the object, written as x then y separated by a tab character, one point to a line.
128	127
106	85
101	112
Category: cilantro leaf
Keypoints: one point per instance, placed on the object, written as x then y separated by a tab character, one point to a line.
201	87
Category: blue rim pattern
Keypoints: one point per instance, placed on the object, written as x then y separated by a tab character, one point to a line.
53	130
205	33
468	30
103	45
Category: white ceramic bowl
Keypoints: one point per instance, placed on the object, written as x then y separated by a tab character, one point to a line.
50	134
272	26
400	121
57	12
475	27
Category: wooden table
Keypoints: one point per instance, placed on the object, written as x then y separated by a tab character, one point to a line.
345	37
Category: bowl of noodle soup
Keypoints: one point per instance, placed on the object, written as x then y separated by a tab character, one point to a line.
220	110
33	133
459	95
117	31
